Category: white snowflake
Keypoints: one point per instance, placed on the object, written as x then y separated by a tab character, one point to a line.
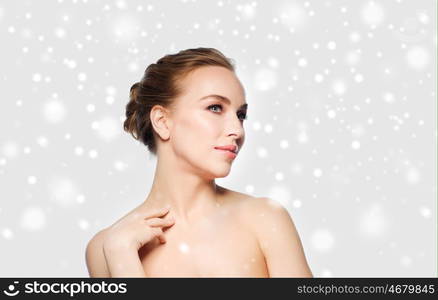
322	240
54	111
418	58
372	14
373	221
33	219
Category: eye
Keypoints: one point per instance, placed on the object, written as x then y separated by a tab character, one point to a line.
215	105
242	115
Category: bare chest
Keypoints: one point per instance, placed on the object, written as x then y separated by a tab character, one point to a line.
219	247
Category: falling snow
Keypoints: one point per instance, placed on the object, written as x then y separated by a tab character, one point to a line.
341	127
322	240
54	111
373	221
184	248
33	219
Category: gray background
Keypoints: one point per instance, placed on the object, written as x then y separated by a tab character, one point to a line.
341	123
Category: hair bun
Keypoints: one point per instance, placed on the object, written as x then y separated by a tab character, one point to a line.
134	92
132	113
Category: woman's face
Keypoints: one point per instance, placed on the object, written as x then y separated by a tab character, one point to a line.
201	122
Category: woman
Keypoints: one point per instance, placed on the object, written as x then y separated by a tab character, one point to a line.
189	110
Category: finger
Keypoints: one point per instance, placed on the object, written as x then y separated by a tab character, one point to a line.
160	222
158	233
170	222
157	212
162	239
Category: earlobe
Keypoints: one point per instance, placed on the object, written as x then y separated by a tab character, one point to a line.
160	121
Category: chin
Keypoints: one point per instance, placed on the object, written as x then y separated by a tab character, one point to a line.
212	174
222	173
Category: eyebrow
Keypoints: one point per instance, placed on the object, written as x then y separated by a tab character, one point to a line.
223	98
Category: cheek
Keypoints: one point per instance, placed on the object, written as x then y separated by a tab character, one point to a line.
208	127
199	130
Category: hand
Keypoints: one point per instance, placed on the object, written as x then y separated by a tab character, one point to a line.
135	230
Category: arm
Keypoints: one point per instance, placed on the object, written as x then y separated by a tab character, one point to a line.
123	262
117	247
95	258
108	261
279	240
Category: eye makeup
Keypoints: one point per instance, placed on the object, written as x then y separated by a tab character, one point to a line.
242	113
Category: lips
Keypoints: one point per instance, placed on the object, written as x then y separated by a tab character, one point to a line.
231	148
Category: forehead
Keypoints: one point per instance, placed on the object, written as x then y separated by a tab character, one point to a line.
213	80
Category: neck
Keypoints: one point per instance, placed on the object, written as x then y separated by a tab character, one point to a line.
189	194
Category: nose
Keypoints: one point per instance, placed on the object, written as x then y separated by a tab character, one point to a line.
236	128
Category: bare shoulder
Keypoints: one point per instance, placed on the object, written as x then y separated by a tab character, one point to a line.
264	208
95	257
278	237
251	209
235	200
98	238
264	216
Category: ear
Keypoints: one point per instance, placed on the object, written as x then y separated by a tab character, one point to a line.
161	122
